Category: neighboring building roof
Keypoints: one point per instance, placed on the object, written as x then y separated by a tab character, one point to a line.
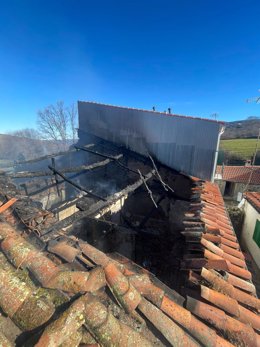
155	112
239	174
254	199
112	291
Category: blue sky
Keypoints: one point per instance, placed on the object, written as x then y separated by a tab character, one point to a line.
198	57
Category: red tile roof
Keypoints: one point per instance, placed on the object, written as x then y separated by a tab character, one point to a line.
218	278
254	199
239	174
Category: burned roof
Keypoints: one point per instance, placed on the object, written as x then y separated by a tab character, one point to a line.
62	290
239	174
254	199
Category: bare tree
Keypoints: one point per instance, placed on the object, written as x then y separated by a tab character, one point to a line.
28	133
72	113
57	122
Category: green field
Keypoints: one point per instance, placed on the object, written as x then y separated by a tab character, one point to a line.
244	148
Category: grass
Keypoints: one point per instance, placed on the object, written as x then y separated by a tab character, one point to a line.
244	148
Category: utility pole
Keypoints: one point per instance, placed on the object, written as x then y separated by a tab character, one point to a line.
253	162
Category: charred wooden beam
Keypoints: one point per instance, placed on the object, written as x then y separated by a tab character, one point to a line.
60	206
52	185
103	207
113	146
107	156
56	172
95	210
51	155
80	168
157	176
56	176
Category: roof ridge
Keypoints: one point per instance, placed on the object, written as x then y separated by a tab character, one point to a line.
156	112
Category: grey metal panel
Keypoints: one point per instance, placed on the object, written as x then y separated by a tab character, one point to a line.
183	143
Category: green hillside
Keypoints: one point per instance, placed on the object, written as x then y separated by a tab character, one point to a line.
237	151
243	129
244	147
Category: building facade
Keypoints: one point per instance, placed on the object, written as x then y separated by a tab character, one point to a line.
186	144
234	180
250	236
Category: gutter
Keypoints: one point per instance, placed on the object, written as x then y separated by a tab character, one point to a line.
221	132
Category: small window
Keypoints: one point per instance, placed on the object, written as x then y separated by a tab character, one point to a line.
256	236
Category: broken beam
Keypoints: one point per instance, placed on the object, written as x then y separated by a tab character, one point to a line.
52	185
56	172
97	209
107	156
27	174
56	176
51	155
8	204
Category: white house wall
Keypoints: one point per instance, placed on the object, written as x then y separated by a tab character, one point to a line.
251	215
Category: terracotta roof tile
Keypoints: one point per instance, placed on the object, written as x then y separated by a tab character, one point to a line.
88	310
222	279
172	332
254	199
92	287
239	174
109	330
202	332
23	254
66	325
239	332
123	290
29	307
240	283
172	309
219	284
231	306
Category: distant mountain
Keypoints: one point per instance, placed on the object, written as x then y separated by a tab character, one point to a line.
241	129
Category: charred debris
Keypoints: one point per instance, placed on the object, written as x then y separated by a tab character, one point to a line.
110	197
101	246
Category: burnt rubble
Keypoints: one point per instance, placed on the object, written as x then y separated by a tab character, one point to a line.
155	262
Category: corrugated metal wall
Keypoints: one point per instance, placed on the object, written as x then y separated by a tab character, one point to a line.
183	143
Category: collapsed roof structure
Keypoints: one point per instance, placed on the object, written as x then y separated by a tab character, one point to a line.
104	246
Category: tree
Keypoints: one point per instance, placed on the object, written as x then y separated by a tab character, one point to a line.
58	123
28	133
